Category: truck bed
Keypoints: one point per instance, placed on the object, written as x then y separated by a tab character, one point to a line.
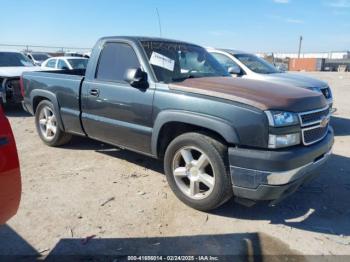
65	88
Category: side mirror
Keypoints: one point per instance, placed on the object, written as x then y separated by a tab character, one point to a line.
65	68
233	70
136	77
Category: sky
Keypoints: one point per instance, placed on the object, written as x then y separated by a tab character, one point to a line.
251	25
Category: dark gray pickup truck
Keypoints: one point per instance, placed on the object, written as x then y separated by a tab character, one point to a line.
218	136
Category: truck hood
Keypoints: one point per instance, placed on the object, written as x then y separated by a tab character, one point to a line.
16	71
260	94
295	80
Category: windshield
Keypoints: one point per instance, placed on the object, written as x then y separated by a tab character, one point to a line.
256	64
78	63
40	57
174	62
14	59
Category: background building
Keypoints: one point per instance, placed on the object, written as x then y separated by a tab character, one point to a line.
313	61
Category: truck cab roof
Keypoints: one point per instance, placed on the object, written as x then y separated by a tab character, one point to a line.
142	38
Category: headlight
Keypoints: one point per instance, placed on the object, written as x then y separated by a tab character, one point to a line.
326	91
316	89
280	118
278	141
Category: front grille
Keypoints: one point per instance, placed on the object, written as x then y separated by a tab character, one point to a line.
314	125
326	92
313	117
314	134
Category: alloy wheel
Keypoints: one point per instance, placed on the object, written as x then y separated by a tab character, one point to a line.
47	123
193	172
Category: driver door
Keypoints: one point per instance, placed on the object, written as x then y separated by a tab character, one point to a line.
112	110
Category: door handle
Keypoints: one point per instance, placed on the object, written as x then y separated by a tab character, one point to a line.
94	92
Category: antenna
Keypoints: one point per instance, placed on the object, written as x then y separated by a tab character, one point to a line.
159	23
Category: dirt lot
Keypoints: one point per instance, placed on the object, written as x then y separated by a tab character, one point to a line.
122	201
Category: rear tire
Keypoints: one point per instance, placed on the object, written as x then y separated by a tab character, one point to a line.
197	171
48	127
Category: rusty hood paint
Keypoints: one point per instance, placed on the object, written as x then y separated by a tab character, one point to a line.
260	94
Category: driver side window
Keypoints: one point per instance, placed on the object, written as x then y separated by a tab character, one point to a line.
115	60
225	61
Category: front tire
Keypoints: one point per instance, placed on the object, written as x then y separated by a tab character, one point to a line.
196	170
48	127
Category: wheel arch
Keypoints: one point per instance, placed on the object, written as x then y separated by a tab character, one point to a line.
37	96
179	122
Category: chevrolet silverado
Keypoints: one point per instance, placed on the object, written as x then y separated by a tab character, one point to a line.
218	136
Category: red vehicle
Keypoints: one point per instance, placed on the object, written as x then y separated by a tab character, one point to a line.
10	176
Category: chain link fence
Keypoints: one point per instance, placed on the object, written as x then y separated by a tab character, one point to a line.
46	49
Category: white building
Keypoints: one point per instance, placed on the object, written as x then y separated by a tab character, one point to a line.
327	55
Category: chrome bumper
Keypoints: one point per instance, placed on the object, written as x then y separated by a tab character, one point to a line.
281	178
259	175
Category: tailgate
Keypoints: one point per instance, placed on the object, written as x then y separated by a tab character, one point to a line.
10	180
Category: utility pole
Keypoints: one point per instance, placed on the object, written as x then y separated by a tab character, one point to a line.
300	41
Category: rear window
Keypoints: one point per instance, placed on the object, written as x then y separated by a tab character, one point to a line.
14	59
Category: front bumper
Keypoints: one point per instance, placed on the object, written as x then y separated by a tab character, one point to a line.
272	175
27	107
10	91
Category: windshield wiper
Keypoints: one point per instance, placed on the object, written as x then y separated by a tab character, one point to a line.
180	79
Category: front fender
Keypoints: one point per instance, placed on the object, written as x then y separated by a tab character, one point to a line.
220	126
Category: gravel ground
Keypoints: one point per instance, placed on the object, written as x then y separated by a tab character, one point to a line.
91	198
